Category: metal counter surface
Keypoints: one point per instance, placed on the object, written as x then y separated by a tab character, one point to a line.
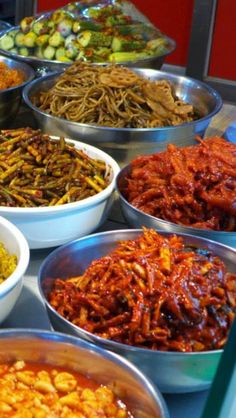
29	312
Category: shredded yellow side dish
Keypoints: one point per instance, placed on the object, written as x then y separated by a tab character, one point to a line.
8	263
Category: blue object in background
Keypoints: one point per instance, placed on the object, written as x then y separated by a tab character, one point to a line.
230	133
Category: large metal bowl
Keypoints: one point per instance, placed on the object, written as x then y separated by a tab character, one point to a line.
126	143
10	99
173	372
137	218
44	66
131	386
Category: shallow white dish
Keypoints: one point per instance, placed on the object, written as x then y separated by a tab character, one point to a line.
15	243
51	226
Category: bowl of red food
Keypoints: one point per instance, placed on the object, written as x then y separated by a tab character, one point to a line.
14	76
183	190
166	302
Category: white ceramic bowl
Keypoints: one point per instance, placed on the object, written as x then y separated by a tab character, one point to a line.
51	226
15	243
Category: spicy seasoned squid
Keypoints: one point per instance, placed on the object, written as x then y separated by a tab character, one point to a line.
152	292
193	186
37	170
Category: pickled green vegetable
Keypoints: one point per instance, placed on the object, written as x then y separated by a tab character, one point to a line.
56	39
82	31
38	26
42	40
69	40
39	52
26	23
60	52
90	38
64	59
127	56
24	51
80	26
71	51
123	44
49	52
19	39
6	42
30	39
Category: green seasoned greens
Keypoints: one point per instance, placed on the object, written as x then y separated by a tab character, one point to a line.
36	170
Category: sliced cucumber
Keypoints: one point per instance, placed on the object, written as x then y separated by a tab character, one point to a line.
60	52
24	51
19	39
49	52
42	40
30	39
56	39
6	42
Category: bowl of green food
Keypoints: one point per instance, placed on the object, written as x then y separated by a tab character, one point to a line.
108	33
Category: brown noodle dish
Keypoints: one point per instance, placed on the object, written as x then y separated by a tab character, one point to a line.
37	170
37	390
152	292
193	186
113	96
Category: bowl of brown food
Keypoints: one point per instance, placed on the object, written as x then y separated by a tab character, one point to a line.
189	190
53	189
166	302
14	76
125	111
52	374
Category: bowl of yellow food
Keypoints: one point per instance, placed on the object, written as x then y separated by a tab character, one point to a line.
14	259
63	376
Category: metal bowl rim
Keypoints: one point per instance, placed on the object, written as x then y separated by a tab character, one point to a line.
196	231
111	343
22	66
124	363
32	59
203	85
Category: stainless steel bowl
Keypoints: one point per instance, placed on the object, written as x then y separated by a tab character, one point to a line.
173	372
4	26
126	143
137	218
10	99
131	386
44	66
